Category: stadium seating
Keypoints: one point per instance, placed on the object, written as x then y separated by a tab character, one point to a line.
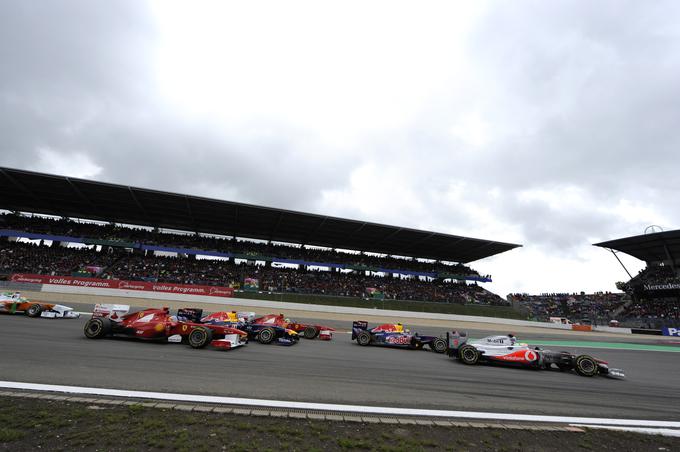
576	306
119	263
64	227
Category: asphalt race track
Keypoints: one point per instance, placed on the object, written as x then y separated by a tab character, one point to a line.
55	351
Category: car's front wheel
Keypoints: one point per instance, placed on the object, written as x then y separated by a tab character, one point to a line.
34	310
200	337
439	345
310	332
585	366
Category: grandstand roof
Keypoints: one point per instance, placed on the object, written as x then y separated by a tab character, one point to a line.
655	247
78	198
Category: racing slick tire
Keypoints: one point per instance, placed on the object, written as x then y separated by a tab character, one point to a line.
364	338
34	310
97	328
468	354
310	332
585	366
439	345
266	336
200	337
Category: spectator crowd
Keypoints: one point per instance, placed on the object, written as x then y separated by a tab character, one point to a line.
119	263
574	306
112	232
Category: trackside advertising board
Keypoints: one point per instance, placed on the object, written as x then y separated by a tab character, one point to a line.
213	291
670	331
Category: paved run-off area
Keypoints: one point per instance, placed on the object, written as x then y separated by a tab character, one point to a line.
56	352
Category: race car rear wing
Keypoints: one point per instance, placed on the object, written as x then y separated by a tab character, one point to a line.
112	311
357	326
189	315
455	340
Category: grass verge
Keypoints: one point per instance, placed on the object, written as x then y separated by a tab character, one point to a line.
36	424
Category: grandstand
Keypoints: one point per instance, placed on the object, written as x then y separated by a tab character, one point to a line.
138	234
598	308
655	291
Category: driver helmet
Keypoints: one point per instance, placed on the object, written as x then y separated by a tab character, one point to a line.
512	338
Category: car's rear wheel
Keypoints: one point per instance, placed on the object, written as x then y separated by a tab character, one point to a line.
439	345
468	354
585	366
364	338
266	336
200	337
34	310
310	332
97	328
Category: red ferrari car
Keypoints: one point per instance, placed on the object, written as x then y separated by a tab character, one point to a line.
309	331
158	324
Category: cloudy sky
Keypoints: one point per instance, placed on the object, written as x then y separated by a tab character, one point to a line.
550	124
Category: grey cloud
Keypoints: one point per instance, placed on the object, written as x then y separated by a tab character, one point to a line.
79	79
574	94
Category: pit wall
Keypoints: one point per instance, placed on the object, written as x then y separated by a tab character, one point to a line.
276	305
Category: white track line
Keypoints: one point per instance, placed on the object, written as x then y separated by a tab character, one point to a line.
336	407
648	431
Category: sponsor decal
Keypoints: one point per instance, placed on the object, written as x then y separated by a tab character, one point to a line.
530	355
398	340
670	331
221	291
667	286
131	285
124	285
25	279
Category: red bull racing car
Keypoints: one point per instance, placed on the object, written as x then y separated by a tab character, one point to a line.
394	335
264	333
507	350
158	324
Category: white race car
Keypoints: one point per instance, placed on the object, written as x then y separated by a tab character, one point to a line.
12	303
507	350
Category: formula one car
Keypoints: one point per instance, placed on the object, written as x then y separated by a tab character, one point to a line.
13	302
308	331
394	335
158	324
264	333
507	350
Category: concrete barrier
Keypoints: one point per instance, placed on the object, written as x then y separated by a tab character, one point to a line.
610	329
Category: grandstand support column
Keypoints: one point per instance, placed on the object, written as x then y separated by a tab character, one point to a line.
617	258
670	257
